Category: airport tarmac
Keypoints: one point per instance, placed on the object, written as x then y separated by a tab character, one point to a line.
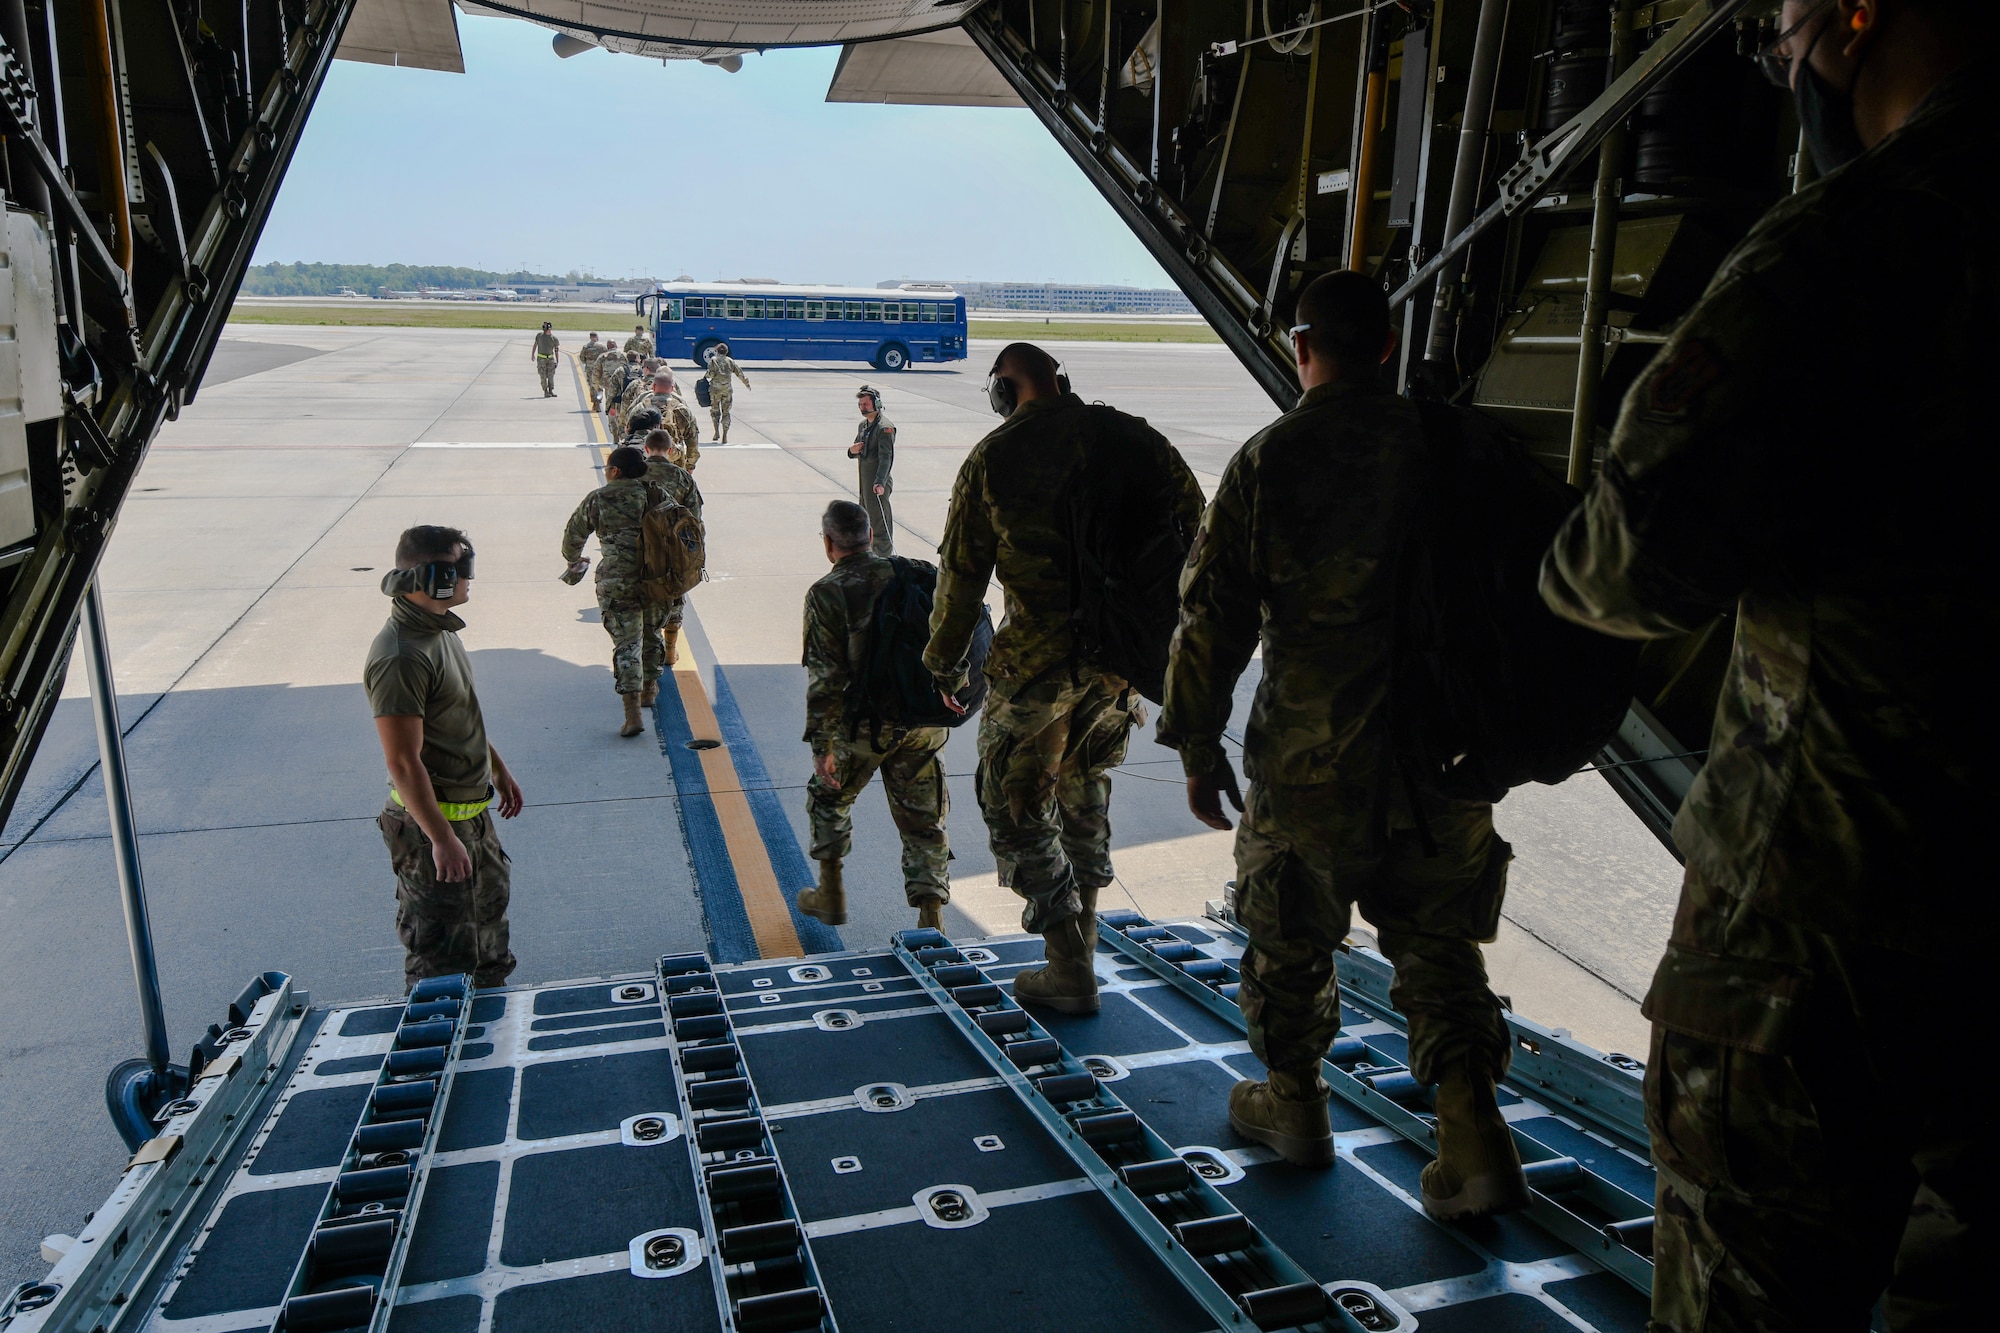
242	594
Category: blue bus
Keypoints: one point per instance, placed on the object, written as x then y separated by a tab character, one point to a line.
891	328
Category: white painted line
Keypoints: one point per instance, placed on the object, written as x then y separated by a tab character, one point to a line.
501	444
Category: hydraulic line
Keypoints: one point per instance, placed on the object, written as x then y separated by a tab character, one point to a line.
1597	286
111	181
1363	186
1478	120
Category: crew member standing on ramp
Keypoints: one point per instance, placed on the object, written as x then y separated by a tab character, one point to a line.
720	392
544	354
875	446
444	775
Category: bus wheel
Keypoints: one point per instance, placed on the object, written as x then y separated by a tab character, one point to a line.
893	357
702	350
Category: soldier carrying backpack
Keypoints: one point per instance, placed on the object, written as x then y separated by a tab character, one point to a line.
871	705
651	550
1084	514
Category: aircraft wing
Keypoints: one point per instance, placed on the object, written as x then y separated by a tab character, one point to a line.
929	69
410	34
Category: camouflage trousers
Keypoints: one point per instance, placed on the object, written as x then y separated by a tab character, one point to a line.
881	521
545	367
1045	760
719	401
638	651
1806	1160
912	769
449	928
1306	856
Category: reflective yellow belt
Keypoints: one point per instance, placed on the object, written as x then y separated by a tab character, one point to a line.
455	811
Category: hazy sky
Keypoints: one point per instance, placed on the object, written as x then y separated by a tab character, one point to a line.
512	165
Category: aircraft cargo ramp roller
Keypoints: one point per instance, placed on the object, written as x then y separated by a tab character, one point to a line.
877	1139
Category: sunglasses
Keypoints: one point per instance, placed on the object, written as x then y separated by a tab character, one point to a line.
1772	59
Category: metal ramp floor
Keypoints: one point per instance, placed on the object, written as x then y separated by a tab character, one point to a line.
567	1188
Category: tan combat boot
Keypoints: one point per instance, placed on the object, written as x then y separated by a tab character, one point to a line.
633	725
672	634
930	913
1068	982
1285	1112
1478	1169
828	902
650	695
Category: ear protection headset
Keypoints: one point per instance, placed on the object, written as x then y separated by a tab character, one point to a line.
873	394
433	578
1003	397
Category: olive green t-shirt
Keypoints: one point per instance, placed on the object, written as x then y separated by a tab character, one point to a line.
418	668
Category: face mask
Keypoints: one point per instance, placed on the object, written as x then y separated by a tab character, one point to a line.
1826	118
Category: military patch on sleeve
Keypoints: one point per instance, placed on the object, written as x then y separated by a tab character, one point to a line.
1200	540
1679	385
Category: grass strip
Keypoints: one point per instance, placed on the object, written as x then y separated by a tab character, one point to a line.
480	315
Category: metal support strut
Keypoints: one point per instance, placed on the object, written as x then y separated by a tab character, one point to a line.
124	830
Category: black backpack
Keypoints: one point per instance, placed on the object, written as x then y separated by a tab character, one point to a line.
701	393
893	685
1127	549
1489	689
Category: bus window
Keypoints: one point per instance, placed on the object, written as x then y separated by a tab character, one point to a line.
795	309
815	310
854	310
930	313
670	310
873	311
892	311
694	307
753	308
736	307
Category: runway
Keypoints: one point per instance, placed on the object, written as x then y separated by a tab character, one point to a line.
242	594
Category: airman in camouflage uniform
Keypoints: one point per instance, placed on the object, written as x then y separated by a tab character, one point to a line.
544	354
613	512
1829	939
1054	726
446	779
618	377
1298	552
847	751
640	341
588	356
721	393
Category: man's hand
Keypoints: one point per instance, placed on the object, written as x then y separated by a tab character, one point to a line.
879	490
952	703
579	565
854	450
1205	795
823	765
453	862
509	792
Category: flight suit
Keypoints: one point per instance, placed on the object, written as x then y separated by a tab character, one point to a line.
877	439
1053	727
1297	554
546	345
839	615
721	393
1813	447
613	512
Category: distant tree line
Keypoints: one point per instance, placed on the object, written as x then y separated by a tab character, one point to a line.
373	279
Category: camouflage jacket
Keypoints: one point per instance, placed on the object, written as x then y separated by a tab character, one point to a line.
1005	519
589	354
618	377
1814	448
877	439
840	611
612	511
671	483
720	367
639	342
546	344
1296	552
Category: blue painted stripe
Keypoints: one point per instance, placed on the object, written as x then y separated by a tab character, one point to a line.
781	844
730	939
